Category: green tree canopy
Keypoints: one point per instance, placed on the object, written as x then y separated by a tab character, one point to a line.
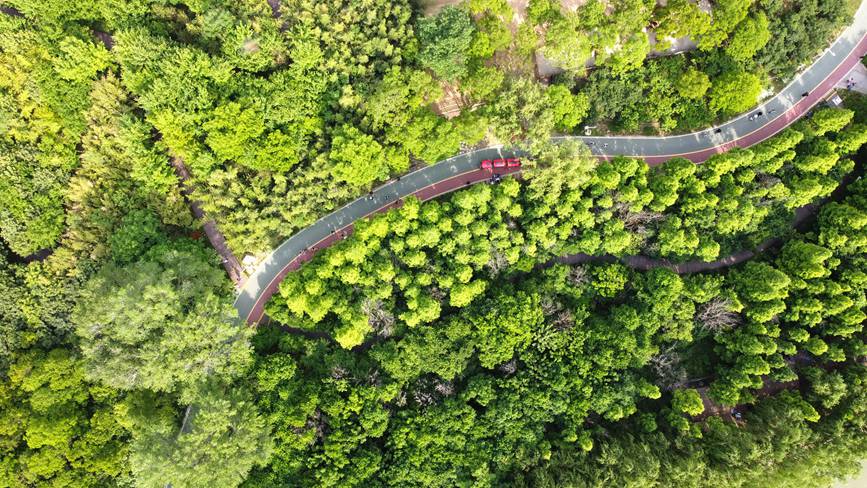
733	92
445	41
161	323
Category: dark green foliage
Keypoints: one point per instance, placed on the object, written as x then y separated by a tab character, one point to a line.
444	42
445	356
778	444
497	376
798	28
138	231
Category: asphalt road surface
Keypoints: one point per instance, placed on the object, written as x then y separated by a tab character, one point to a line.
457	172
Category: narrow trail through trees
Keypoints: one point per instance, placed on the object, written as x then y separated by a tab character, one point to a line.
216	238
803	216
646	263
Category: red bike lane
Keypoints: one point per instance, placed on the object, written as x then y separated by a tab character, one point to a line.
801	107
449	185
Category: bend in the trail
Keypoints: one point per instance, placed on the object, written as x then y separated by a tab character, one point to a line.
787	106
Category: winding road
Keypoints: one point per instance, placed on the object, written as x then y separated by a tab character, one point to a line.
790	104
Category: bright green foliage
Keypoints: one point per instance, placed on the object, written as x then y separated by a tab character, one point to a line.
726	17
526	110
616	38
398	105
237	134
482	82
749	37
397	95
826	120
256	209
56	427
441	346
356	158
631	54
693	84
445	42
161	323
568	109
843	227
655	96
42	122
539	11
565	45
244	130
526	40
492	35
355	40
80	61
735	92
505	328
687	401
496	7
609	281
681	18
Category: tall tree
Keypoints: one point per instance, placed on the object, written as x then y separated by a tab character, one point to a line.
160	323
445	41
216	442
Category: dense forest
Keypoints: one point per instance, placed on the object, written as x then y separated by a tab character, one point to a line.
583	325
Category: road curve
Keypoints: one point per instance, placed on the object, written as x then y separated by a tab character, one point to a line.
457	172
